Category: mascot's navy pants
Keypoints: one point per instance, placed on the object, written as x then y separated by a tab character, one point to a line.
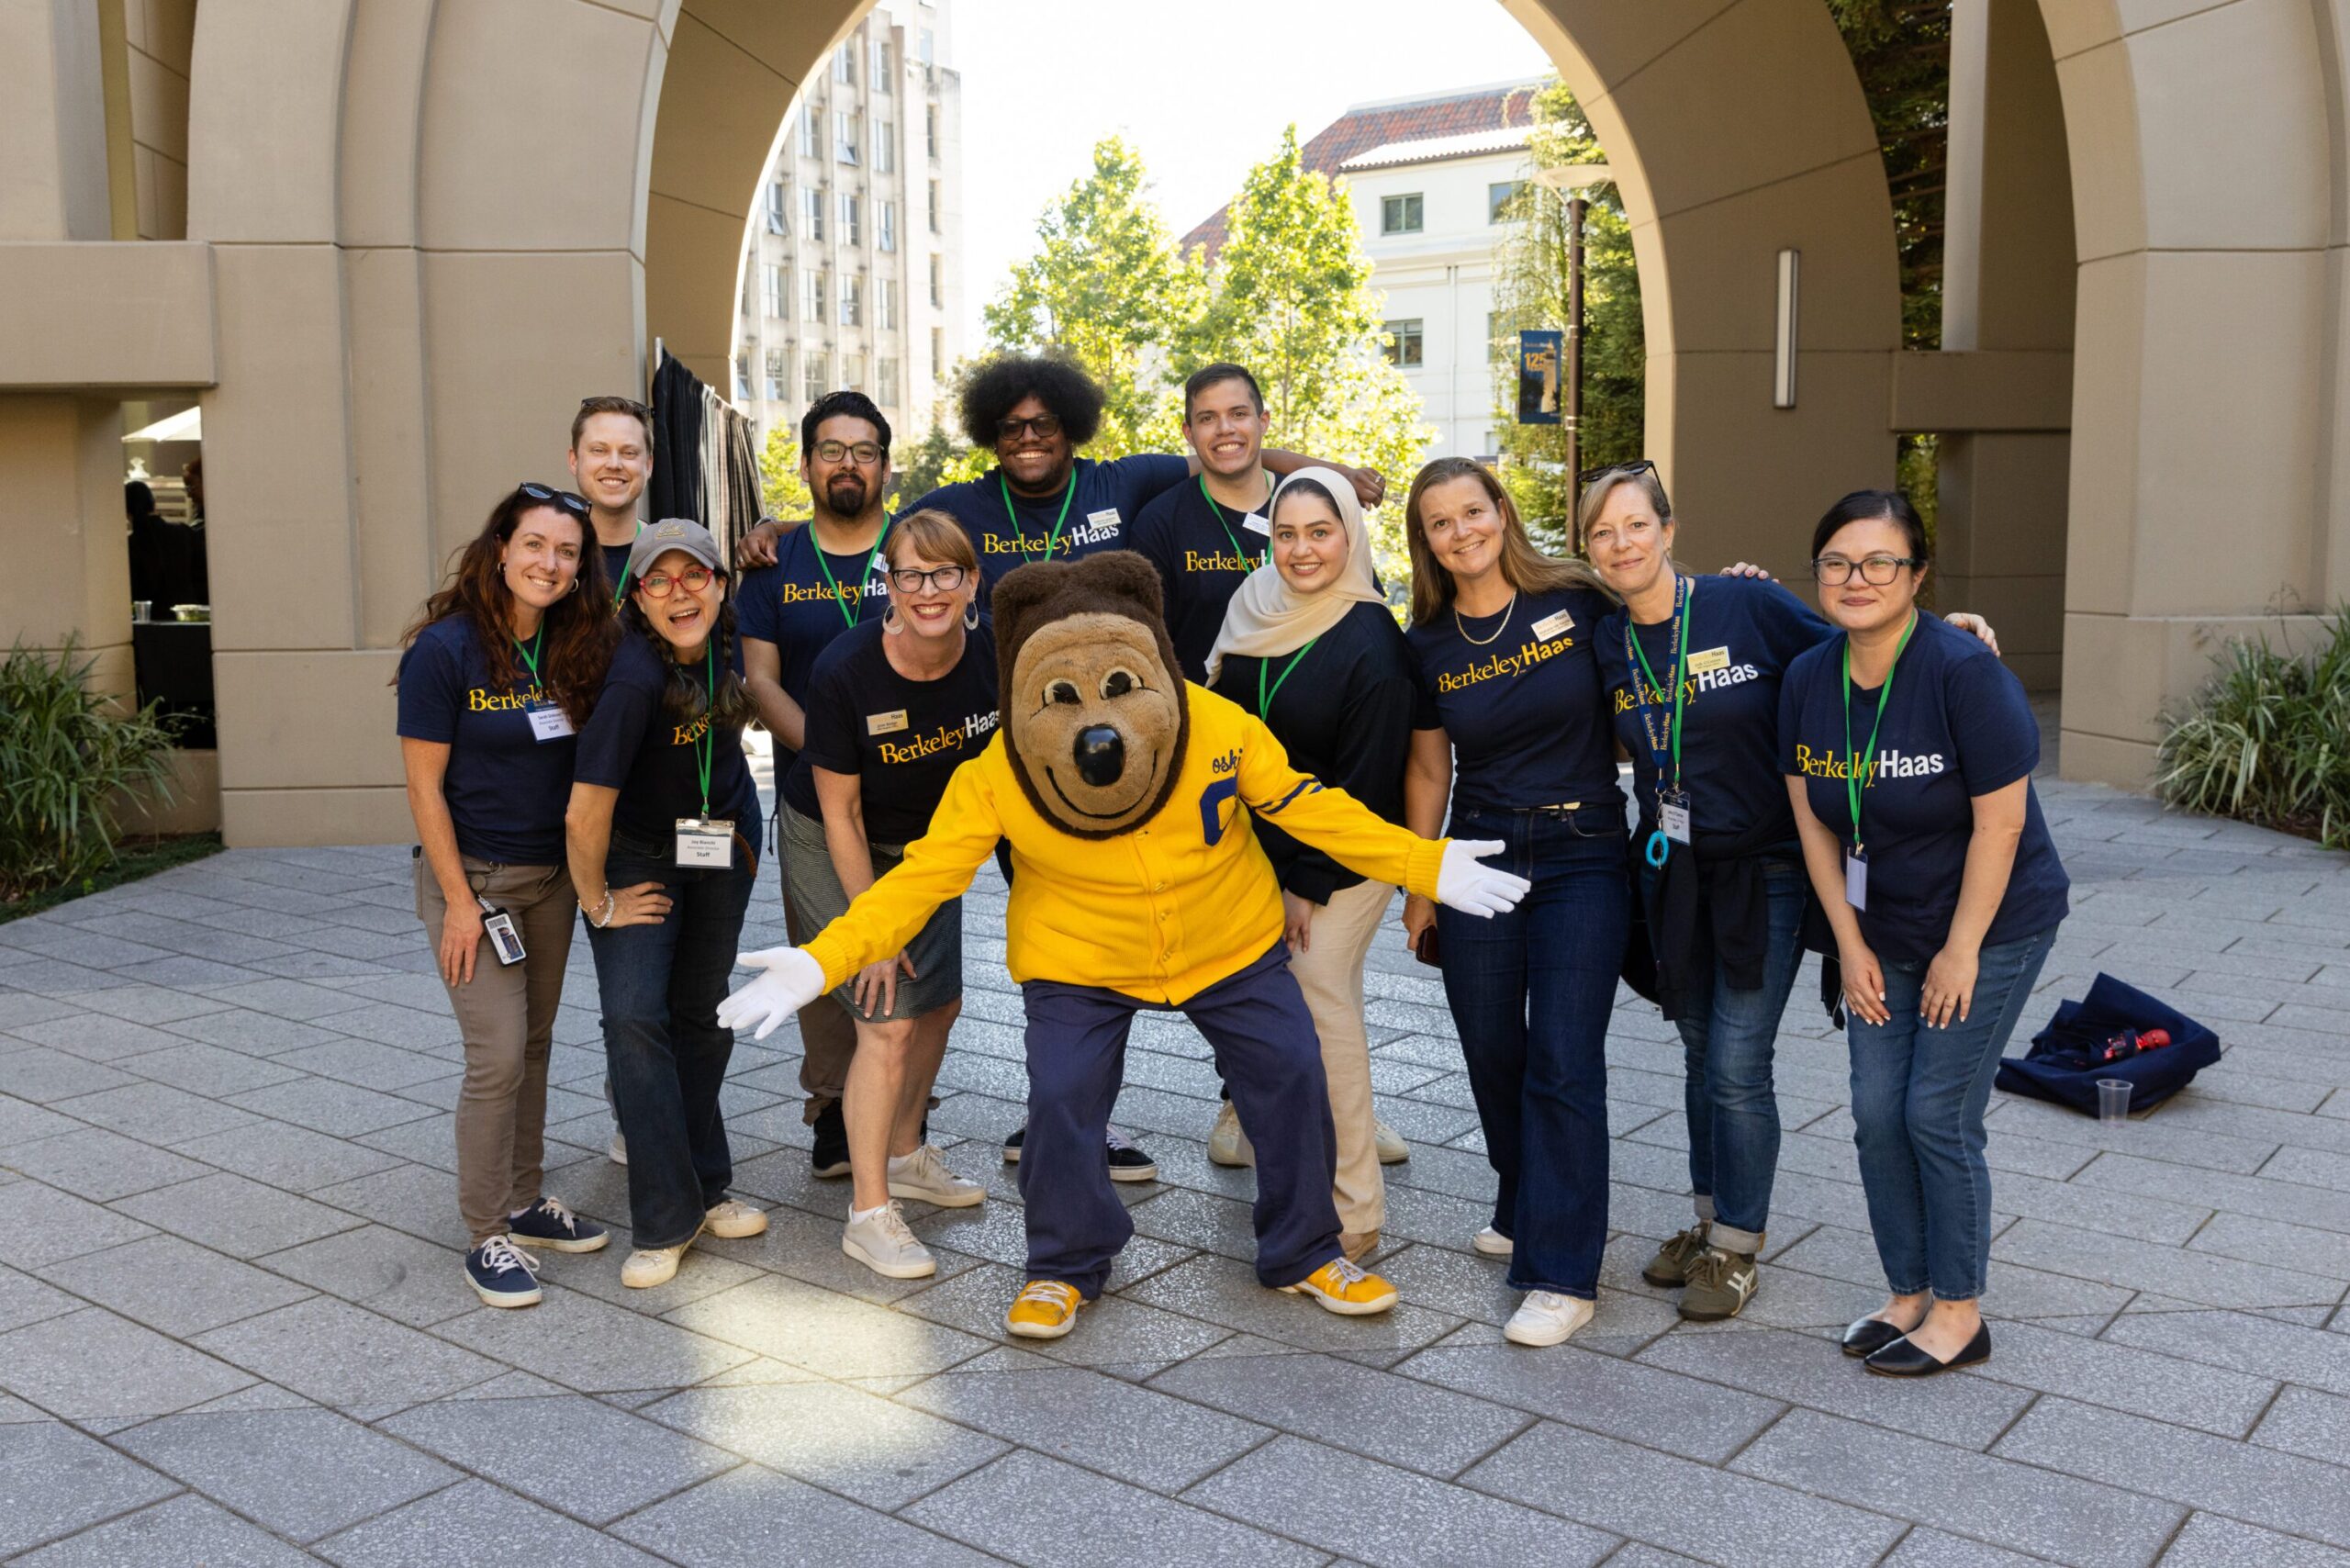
1270	1058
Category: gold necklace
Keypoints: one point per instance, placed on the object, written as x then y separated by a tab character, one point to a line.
1481	642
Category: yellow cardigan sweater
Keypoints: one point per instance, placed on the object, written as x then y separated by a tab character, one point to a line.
1160	912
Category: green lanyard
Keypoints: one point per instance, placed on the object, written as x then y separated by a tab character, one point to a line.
1020	539
1217	507
1858	766
1265	698
619	589
529	651
1685	596
709	721
840	599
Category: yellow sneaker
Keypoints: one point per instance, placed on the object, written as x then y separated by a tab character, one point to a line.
1046	1309
1342	1288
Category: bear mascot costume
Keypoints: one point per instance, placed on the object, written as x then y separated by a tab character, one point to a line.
1126	795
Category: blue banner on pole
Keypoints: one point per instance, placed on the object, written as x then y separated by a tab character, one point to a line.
1541	358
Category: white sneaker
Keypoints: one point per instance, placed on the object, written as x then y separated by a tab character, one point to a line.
1544	1317
649	1266
922	1176
1228	1145
879	1239
1493	1243
617	1150
734	1219
1393	1149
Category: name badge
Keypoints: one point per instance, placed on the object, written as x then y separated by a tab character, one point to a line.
1856	878
887	724
1552	625
1258	523
549	722
706	842
1107	518
1712	658
1673	817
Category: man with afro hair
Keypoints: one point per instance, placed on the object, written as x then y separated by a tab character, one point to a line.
1042	502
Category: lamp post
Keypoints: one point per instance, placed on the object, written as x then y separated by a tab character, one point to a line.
1576	180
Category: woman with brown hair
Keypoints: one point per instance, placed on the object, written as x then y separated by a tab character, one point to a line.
1510	696
499	673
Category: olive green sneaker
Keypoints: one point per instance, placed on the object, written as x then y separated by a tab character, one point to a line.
1720	1284
1670	1267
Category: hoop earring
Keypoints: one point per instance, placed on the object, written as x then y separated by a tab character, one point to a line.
892	624
972	616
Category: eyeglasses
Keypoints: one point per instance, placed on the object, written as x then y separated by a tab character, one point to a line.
1632	470
564	498
866	453
693	579
1042	425
943	579
1834	571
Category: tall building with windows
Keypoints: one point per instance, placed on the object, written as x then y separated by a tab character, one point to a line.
852	268
1429	178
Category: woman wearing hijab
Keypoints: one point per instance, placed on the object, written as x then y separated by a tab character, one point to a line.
1309	646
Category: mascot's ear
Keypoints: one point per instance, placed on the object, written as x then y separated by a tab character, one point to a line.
1126	575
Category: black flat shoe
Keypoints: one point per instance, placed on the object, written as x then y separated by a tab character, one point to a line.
1868	1336
1902	1359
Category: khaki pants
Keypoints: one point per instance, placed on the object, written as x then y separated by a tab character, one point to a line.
827	1029
1330	974
506	1016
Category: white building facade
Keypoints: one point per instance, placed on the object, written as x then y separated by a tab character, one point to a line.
852	269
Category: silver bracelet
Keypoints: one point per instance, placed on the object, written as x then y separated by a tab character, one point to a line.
606	907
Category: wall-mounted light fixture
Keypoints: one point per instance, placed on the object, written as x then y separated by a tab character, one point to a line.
1782	379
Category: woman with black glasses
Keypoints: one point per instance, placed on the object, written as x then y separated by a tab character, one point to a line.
895	707
662	834
498	673
1907	749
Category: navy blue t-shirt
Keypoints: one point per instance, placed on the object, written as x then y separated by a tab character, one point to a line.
1743	632
902	738
1100	516
629	744
616	564
506	787
1958	727
794	605
1203	550
1518	695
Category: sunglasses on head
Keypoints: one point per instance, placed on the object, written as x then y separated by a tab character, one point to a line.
564	498
1632	470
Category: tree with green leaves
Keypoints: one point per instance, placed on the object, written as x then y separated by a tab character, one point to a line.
1531	291
937	459
1290	297
1109	286
782	492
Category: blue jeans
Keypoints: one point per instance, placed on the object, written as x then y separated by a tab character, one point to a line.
1531	994
1917	1099
1732	1109
660	986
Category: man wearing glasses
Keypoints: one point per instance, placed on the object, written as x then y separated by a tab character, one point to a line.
827	577
1043	502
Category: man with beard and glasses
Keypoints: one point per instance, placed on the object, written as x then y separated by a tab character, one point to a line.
828	577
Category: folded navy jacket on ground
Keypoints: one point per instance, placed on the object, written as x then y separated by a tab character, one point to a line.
2064	1064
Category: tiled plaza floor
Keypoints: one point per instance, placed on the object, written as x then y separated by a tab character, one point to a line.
233	1329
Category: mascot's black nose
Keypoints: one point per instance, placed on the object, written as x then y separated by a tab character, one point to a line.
1101	755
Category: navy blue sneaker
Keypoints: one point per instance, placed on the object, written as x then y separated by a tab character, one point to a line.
501	1273
549	1224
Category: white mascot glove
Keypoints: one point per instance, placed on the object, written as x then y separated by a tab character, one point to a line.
789	981
1462	884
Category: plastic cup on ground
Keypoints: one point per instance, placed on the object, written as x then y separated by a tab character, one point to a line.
2112	1099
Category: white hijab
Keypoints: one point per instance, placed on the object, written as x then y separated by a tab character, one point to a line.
1268	618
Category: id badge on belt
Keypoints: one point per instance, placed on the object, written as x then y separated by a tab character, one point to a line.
706	842
499	926
1672	815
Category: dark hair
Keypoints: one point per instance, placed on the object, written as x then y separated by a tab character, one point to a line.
997	385
1208	375
578	630
684	697
1870	506
138	500
590	406
840	405
1313	487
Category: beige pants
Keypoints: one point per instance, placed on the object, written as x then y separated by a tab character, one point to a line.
506	1016
1330	974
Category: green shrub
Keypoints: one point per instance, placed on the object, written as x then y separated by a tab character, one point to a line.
2268	740
64	757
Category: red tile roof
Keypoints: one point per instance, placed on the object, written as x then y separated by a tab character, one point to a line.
1360	129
